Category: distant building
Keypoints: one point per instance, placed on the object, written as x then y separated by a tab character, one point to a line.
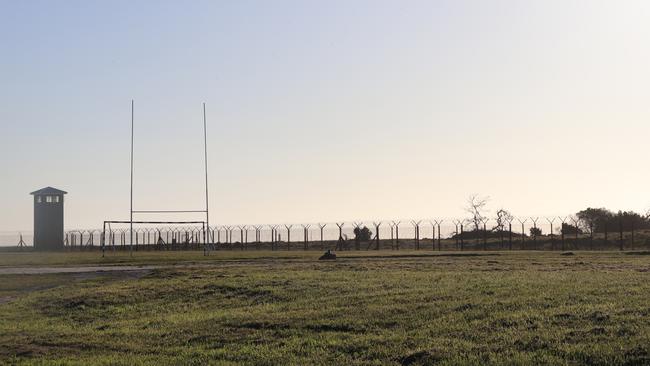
48	219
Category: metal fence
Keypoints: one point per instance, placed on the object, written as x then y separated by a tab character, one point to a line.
512	233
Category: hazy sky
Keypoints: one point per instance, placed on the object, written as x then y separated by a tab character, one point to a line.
324	110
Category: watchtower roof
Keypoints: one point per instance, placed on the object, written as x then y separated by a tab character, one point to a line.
49	190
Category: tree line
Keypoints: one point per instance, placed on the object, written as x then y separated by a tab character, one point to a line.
589	220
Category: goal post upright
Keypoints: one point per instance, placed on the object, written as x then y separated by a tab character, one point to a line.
206	233
131	195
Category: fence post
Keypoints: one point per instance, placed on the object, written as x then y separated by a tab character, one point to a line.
377	225
462	241
357	244
305	230
396	234
246	237
620	229
485	220
534	232
563	221
433	236
159	241
510	219
416	225
501	237
241	236
552	234
339	243
322	242
288	227
439	238
258	236
273	234
575	223
523	234
103	238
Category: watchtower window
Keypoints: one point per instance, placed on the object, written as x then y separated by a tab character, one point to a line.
56	199
39	199
48	199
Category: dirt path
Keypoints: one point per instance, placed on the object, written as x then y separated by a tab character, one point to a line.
76	269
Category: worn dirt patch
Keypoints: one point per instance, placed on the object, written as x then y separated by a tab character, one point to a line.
80	269
74	277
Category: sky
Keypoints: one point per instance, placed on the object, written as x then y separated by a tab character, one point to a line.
324	110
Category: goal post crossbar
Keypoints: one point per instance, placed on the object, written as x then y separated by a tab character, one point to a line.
152	222
169	211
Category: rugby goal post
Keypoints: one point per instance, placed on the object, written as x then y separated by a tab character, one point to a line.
207	237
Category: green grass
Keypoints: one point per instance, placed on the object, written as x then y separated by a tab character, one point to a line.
365	308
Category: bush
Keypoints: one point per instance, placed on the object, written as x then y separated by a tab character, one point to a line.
568	229
362	234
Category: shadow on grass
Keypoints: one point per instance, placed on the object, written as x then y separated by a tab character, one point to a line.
401	256
644	252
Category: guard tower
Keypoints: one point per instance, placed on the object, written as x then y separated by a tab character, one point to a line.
48	219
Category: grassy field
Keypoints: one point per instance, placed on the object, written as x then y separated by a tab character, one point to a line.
19	259
365	308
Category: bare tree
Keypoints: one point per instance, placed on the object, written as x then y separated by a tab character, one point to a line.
503	218
476	208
